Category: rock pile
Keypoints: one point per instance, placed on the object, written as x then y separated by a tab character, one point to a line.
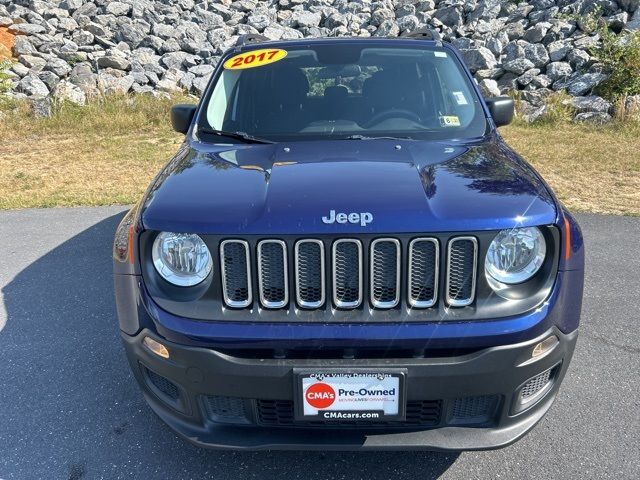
74	49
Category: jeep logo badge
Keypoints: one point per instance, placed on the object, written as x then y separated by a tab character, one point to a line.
363	218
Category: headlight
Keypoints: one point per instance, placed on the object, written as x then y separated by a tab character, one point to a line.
515	255
181	258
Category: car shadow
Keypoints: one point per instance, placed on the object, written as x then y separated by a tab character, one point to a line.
70	407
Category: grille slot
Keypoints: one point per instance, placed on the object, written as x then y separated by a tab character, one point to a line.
275	413
310	276
462	259
385	273
424	260
347	273
236	273
273	281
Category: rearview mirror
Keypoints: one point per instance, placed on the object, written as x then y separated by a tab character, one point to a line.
345	71
181	117
501	109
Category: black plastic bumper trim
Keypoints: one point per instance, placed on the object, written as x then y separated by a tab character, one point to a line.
492	371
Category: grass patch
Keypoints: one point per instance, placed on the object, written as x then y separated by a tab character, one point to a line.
107	152
591	169
102	154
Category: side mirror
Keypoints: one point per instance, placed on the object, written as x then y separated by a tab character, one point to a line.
181	117
501	109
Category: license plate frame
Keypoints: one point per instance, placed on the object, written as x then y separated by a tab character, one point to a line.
339	376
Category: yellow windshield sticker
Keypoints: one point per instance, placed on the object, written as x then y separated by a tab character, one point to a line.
450	121
255	58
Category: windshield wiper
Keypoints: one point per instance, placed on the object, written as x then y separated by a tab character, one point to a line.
237	135
365	137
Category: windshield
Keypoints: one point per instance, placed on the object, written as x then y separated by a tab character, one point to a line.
340	90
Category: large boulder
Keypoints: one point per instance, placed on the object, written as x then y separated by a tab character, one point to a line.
518	66
537	54
450	16
591	103
109	83
26	29
558	50
32	86
559	70
531	113
113	61
583	84
479	58
68	92
489	88
84	78
57	66
596	118
117	8
303	18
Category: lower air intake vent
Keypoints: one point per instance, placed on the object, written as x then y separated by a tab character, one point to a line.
385	273
225	409
461	271
275	413
535	385
472	410
310	280
273	279
236	285
164	385
347	273
424	254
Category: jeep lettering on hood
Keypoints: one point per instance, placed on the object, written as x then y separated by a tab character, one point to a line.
362	218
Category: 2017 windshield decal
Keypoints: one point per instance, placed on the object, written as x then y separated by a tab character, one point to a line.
255	58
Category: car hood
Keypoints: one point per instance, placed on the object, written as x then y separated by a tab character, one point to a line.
406	186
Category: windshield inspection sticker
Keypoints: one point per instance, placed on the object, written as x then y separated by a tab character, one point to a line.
255	58
440	54
460	98
450	121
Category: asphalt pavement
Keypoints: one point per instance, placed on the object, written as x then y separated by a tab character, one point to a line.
70	409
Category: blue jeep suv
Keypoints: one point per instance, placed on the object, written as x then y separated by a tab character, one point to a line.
345	254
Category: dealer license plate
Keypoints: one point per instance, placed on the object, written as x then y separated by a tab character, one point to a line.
343	396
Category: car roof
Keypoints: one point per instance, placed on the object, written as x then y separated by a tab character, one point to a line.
301	42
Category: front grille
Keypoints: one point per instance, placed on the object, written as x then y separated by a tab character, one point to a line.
273	278
277	413
390	266
309	260
462	258
385	273
424	259
236	273
347	273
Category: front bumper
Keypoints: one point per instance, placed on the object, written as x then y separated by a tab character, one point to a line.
241	386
